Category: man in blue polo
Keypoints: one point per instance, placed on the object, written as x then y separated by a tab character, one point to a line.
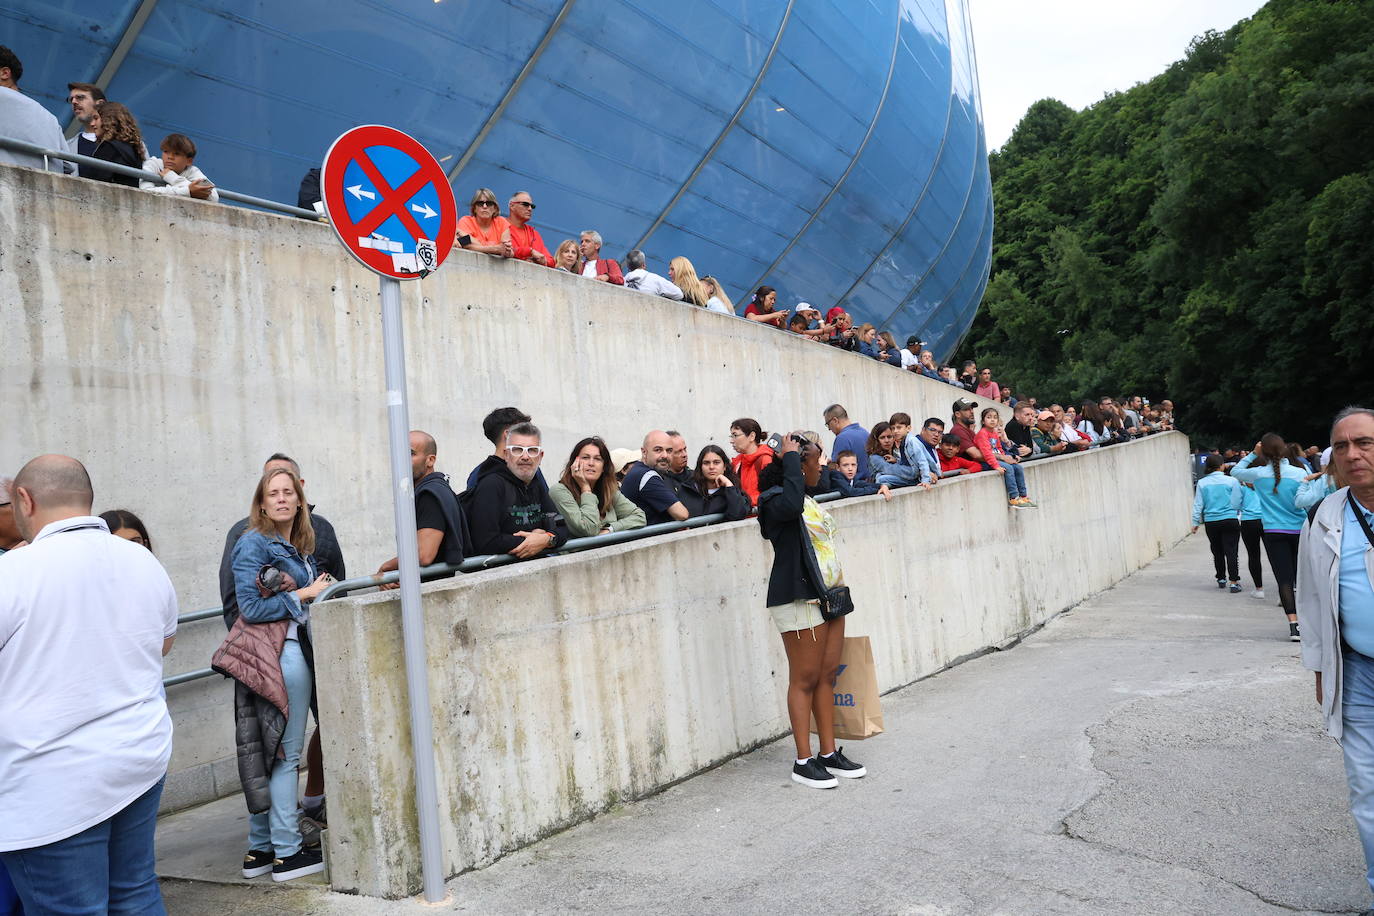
849	437
646	482
1336	612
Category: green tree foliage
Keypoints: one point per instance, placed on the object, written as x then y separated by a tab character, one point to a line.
1206	236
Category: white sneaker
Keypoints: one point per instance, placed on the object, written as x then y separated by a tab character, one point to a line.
1258	593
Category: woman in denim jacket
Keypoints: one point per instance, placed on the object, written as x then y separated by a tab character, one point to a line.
281	536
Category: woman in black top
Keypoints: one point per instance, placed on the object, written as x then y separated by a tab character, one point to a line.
714	488
802	534
117	140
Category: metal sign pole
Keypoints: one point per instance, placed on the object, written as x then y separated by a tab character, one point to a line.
412	613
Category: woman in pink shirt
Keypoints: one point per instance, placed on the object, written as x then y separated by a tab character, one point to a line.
987	388
992	442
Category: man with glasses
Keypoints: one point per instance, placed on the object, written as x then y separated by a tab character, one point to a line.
849	436
932	431
646	481
1336	611
525	241
597	267
508	512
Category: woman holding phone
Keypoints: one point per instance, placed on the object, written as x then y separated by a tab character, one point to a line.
588	495
803	537
275	580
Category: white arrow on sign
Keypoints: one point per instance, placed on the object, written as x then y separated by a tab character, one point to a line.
424	210
358	192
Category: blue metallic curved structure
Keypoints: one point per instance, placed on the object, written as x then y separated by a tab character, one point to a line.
833	149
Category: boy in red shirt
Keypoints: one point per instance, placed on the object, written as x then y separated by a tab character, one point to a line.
951	460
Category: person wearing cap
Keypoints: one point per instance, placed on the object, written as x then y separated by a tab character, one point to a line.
1045	438
10	538
621	459
963	428
911	353
812	327
842	334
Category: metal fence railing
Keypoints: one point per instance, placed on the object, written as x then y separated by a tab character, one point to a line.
224	194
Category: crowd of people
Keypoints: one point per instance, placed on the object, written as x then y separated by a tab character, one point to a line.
283	553
1260	497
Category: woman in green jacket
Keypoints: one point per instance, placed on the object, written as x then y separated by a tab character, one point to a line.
588	495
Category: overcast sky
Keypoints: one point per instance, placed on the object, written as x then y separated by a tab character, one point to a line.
1079	50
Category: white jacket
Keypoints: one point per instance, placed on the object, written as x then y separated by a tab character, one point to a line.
180	185
1319	573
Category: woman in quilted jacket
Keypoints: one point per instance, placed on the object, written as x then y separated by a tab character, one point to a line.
275	579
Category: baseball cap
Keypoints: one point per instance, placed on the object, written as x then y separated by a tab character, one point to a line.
805	307
620	457
914	340
964	404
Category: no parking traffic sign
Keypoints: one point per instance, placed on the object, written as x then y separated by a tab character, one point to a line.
389	201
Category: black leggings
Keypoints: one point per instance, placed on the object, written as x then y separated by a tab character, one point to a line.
1283	560
1252	532
1224	539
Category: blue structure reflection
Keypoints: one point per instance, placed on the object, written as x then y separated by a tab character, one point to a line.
831	148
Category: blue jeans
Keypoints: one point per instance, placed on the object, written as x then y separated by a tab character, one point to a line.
278	830
108	868
1015	480
1357	744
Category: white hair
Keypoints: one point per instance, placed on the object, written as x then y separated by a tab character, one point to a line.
593	235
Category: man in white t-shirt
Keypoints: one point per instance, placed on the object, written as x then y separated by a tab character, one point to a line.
85	737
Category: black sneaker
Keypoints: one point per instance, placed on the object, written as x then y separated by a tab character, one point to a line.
1293	634
837	764
1235	588
1221	583
813	774
309	861
257	863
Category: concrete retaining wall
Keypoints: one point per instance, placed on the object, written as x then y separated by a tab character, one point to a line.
563	686
173	345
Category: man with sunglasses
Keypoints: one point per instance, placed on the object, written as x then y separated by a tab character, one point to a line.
508	512
525	241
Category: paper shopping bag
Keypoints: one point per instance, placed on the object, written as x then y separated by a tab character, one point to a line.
858	710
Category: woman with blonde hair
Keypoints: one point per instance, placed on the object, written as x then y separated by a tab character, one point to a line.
716	300
275	579
568	257
485	229
117	140
684	275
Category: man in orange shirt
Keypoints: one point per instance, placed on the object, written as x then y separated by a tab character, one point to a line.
524	238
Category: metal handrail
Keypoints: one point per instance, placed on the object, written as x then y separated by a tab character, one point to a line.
68	156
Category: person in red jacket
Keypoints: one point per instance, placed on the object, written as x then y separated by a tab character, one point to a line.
525	242
595	266
951	460
753	455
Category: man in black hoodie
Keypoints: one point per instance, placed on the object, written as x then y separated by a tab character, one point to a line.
440	530
494	426
508	512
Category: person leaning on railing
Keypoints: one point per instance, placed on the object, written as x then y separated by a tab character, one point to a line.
484	229
713	487
117	140
588	496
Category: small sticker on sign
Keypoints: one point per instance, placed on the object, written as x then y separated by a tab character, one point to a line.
403	263
426	255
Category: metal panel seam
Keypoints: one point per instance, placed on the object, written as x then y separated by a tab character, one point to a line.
853	160
519	81
720	138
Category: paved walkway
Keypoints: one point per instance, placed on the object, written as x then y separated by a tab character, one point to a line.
1154	751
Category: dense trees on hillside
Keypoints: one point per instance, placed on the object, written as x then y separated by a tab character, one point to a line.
1208	234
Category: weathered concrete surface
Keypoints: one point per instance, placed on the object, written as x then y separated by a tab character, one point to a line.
1154	751
173	344
564	686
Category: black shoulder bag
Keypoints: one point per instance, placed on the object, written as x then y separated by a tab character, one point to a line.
835	602
1359	517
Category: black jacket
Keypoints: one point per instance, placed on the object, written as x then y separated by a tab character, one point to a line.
1019	434
328	558
502	504
780	510
728	501
116	151
456	542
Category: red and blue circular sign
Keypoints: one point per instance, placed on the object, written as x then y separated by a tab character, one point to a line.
389	201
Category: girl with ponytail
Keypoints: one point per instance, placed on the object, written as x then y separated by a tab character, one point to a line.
1277	483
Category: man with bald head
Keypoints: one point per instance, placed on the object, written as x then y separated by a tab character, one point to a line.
647	482
439	527
9	530
85	737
